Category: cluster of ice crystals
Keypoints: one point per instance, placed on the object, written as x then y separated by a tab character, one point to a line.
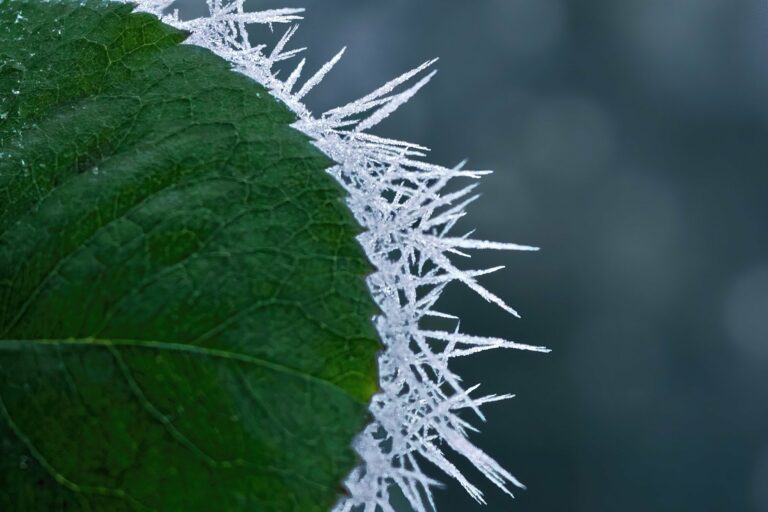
408	212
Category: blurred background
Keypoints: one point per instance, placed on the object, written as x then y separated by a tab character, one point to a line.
630	141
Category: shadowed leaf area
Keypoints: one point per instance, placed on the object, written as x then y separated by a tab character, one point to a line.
184	324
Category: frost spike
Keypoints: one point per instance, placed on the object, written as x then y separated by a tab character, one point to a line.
479	340
318	77
483	244
294	76
357	106
393	104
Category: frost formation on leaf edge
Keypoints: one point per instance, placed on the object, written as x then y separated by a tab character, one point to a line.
400	201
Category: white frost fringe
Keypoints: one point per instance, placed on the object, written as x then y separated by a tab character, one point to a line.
397	198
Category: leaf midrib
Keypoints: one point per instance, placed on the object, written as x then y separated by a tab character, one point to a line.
16	344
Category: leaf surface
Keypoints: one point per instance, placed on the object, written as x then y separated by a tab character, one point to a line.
184	323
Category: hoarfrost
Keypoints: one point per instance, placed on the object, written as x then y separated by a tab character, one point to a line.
408	212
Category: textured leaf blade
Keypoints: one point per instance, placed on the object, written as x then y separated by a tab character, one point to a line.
183	317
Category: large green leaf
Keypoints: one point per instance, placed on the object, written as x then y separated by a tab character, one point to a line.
184	323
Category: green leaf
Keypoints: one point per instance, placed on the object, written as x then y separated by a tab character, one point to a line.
184	323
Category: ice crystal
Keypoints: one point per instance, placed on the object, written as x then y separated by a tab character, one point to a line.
408	212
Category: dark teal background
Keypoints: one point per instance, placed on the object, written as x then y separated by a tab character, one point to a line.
630	140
